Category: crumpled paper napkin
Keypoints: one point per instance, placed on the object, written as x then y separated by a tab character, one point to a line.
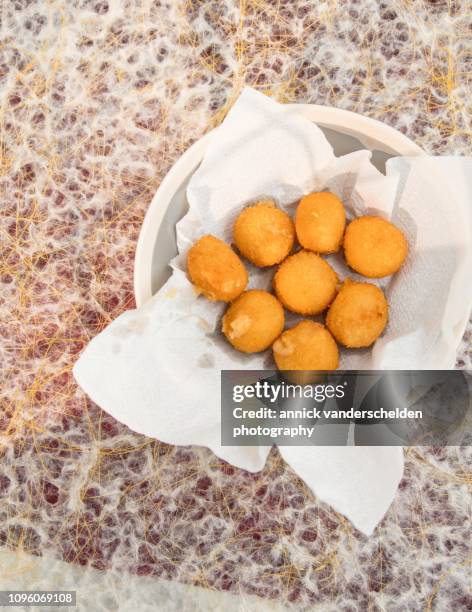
157	369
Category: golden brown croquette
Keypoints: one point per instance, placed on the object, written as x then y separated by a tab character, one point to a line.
253	321
305	283
320	221
264	234
374	247
216	270
306	346
358	315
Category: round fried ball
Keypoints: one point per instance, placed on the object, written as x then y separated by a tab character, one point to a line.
253	321
305	283
320	221
264	234
358	315
216	270
306	346
374	247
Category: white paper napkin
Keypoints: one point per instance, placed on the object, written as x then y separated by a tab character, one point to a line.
157	369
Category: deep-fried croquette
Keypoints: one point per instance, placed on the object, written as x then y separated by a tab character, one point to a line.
264	234
216	270
305	283
306	346
374	247
253	321
320	221
358	315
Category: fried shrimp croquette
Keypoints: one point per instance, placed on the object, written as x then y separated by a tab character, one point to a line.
358	315
306	346
305	283
374	247
264	234
216	270
320	221
253	321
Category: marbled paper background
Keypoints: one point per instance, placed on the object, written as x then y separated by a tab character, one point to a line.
98	99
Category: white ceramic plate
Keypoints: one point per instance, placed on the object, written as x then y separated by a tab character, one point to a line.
156	247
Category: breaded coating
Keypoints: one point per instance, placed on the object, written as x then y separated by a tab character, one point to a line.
216	270
358	315
253	321
306	346
305	283
264	234
374	247
320	221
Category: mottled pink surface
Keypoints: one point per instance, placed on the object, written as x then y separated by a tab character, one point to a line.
98	100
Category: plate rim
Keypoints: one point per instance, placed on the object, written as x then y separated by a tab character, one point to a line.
346	122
